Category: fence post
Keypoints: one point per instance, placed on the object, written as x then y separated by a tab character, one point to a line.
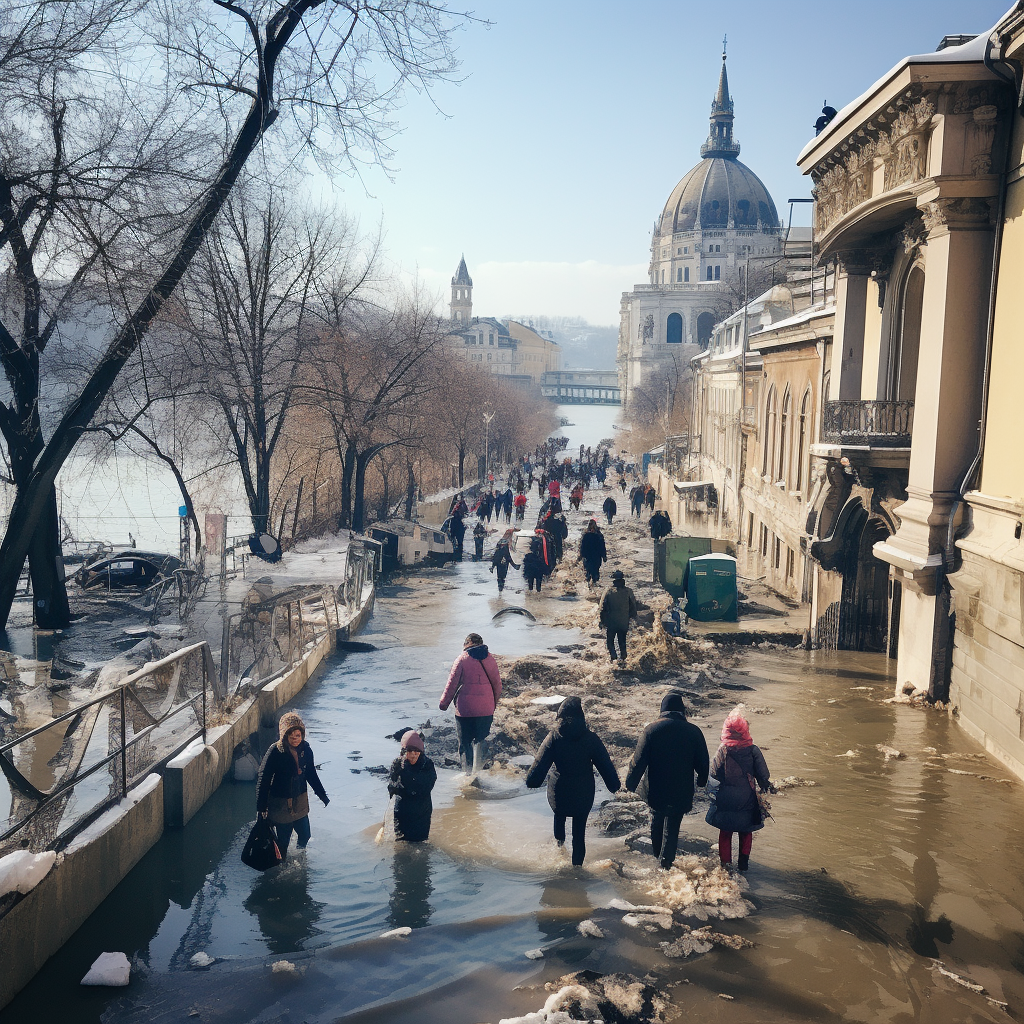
302	638
124	746
204	701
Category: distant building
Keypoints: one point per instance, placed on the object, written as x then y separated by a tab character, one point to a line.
585	387
718	219
506	348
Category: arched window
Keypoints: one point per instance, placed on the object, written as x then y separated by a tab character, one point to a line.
718	273
458	314
711	273
679	275
674	329
770	426
705	327
801	439
686	274
903	364
787	404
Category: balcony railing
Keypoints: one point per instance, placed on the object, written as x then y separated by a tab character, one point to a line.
875	424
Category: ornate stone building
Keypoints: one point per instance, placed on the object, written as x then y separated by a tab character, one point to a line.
506	348
718	219
916	525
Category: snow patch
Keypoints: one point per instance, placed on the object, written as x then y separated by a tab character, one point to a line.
201	960
396	933
109	969
534	954
590	929
109	818
23	871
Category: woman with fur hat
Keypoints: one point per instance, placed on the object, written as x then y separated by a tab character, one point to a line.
281	789
741	769
571	752
412	778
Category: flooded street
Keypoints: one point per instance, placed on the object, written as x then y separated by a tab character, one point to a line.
866	878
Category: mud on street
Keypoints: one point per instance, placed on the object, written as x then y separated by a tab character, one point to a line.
872	896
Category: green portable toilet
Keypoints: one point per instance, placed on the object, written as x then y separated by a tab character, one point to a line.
711	588
672	555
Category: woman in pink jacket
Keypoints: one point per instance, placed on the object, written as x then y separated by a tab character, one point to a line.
475	686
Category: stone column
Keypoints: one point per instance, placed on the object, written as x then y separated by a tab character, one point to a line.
947	410
852	278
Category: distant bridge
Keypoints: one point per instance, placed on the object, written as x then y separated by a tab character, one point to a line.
582	387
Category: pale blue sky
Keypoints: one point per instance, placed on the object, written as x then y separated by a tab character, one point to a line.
549	164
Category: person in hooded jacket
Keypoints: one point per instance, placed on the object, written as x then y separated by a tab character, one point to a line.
501	559
593	551
567	758
739	766
410	781
479	533
281	788
617	607
610	508
672	751
475	686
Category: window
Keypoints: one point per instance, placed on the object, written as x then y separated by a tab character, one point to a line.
770	427
679	275
787	403
790	564
801	438
679	252
764	541
674	329
686	249
778	552
662	275
718	273
718	248
686	274
750	529
490	339
458	314
711	273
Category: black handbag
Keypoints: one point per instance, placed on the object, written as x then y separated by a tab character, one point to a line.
261	850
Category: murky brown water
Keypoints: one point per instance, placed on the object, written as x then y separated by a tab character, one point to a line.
860	885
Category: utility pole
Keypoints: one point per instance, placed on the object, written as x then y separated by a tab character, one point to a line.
488	416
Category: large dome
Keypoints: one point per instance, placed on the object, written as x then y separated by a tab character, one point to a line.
719	192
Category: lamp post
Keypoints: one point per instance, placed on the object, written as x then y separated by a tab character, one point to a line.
488	416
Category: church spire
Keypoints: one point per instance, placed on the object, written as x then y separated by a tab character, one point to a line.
720	141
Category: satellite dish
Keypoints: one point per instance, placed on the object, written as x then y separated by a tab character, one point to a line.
264	546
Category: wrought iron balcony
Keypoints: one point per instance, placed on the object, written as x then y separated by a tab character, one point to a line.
874	424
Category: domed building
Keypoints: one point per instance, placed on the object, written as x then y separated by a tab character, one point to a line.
719	218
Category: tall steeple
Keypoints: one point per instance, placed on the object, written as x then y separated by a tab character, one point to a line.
462	294
720	141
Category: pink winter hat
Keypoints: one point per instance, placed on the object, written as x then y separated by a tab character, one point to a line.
412	740
735	730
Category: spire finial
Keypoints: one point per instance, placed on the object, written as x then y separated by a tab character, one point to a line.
725	39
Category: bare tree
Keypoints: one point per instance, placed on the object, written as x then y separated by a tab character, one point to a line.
124	127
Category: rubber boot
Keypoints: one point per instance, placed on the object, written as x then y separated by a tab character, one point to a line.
743	862
478	757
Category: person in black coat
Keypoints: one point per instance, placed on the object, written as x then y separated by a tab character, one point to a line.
593	551
411	779
660	524
502	559
281	788
610	508
671	751
571	752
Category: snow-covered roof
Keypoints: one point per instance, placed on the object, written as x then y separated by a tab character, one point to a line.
972	52
798	318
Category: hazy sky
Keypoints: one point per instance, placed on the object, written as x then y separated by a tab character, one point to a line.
548	165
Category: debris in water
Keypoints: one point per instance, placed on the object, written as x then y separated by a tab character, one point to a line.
792	782
975	775
980	989
109	969
534	954
201	960
648	921
396	933
891	753
849	753
588	996
284	967
701	940
590	929
513	609
722	995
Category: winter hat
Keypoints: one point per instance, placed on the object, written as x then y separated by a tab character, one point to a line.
735	730
412	740
289	720
571	707
473	640
673	701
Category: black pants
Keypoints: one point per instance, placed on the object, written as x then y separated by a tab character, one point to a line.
479	542
579	835
610	634
609	515
534	579
502	573
592	569
665	835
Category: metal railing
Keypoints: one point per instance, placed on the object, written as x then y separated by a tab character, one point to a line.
62	775
875	424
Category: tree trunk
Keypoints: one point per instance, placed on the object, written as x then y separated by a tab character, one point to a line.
410	491
358	500
348	467
46	568
462	467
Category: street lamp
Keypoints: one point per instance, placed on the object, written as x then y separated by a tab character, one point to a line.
488	416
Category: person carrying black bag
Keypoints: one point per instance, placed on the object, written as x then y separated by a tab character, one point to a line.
281	790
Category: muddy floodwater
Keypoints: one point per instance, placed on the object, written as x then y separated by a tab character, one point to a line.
898	864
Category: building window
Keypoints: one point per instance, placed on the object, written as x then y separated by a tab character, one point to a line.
674	329
679	275
686	249
787	403
662	275
711	273
686	274
770	426
790	564
679	252
801	441
750	529
778	552
718	273
490	339
458	314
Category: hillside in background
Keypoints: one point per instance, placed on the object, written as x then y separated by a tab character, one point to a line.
583	344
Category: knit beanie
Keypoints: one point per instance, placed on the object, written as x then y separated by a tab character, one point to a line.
412	740
289	720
